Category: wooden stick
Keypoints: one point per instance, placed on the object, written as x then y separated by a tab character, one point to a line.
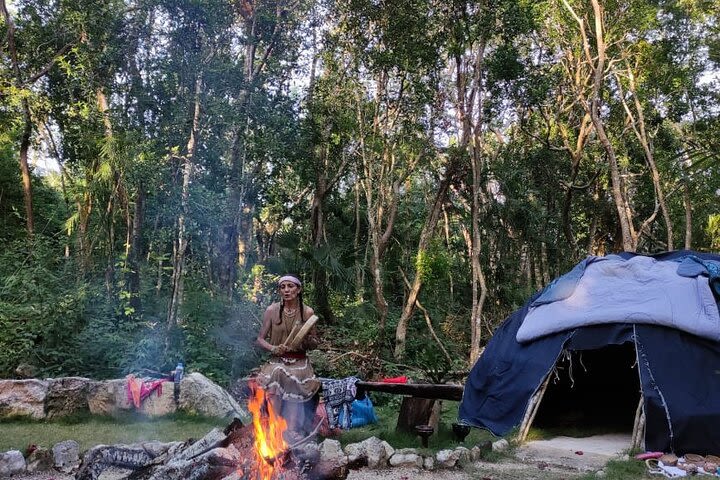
532	409
639	426
291	335
302	333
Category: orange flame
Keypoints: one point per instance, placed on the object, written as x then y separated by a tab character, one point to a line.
269	427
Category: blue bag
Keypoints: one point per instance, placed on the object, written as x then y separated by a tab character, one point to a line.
362	412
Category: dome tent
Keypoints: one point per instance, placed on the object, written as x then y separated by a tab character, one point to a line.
675	351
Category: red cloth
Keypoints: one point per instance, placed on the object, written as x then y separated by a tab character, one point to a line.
402	379
138	390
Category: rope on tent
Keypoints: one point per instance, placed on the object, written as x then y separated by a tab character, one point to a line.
568	357
653	384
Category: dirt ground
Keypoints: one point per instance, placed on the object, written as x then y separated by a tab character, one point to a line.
561	458
505	470
509	469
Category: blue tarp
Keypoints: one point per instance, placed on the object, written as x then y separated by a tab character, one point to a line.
679	376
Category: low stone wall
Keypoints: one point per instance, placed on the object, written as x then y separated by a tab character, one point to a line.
373	453
60	397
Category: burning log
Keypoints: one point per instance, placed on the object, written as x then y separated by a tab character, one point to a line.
231	454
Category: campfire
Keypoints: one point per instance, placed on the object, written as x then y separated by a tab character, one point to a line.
257	451
269	427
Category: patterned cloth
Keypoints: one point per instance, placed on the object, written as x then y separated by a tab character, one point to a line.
338	396
138	390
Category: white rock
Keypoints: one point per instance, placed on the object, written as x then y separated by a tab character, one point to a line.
447	458
376	451
400	459
463	454
600	473
354	452
500	446
429	463
66	455
331	451
11	463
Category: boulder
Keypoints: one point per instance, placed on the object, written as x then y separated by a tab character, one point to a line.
107	397
11	463
23	398
160	402
66	455
66	396
429	463
198	394
40	459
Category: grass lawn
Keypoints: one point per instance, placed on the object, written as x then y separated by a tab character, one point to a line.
89	431
387	414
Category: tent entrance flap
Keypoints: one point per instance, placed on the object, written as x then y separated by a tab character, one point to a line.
591	391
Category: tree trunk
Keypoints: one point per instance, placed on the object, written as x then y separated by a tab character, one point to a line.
621	203
479	287
425	237
688	214
317	222
177	287
134	252
27	122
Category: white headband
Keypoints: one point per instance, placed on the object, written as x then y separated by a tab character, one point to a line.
290	278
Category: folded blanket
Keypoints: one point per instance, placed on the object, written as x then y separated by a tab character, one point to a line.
615	290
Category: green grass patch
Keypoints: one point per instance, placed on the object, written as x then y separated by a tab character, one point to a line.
384	429
89	431
622	470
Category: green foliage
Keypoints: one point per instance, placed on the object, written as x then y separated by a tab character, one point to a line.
291	179
39	309
713	231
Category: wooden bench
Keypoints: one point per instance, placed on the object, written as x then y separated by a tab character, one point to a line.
419	402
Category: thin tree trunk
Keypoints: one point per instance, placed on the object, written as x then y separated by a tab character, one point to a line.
638	126
359	266
425	237
479	286
134	251
27	123
688	214
177	287
623	208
